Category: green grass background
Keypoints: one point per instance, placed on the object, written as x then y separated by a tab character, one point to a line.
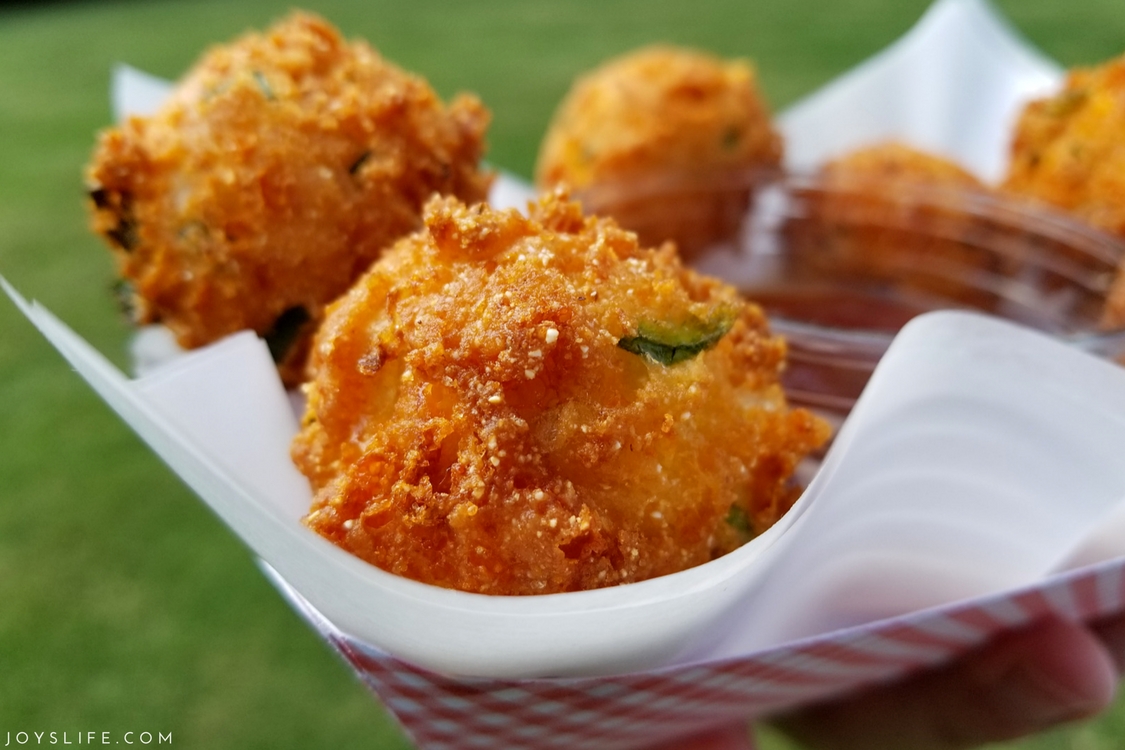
124	605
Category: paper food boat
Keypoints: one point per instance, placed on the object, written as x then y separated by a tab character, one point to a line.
975	488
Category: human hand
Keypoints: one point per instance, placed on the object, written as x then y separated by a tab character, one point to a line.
1020	683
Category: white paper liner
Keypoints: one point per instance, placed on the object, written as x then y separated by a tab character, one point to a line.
944	483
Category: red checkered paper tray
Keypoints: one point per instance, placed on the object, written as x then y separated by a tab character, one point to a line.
641	709
975	487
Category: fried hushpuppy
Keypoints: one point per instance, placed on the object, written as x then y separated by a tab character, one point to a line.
527	405
892	165
278	170
659	109
897	216
663	115
1068	150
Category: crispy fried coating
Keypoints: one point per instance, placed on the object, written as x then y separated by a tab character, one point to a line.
898	216
513	405
666	115
280	168
659	109
1069	150
892	165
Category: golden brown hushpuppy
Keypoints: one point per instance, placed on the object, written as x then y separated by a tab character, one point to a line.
683	121
898	216
655	111
1069	151
528	405
892	165
278	170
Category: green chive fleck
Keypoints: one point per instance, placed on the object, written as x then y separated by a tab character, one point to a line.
264	85
739	521
731	137
668	344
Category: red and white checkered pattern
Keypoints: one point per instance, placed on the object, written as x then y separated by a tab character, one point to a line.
639	710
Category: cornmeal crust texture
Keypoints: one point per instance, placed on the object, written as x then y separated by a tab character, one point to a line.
513	405
682	122
660	109
892	165
1069	151
895	214
280	168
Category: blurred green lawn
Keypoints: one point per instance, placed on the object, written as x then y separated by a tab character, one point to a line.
124	605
